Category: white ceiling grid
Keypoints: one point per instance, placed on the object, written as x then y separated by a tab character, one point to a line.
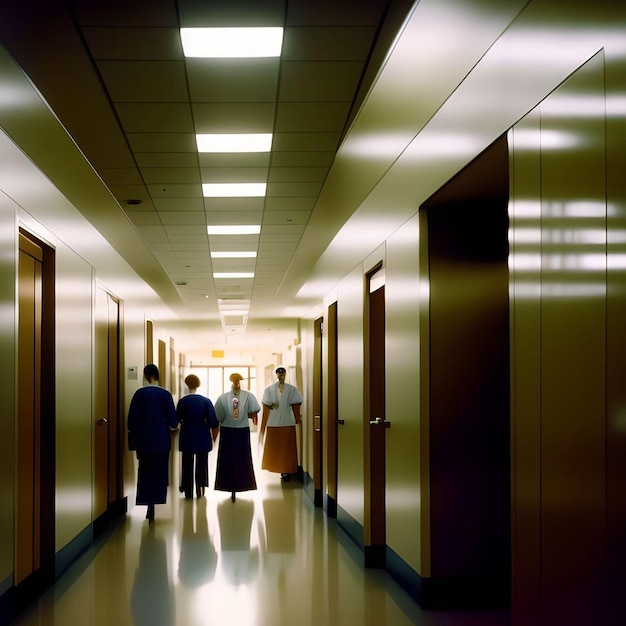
162	100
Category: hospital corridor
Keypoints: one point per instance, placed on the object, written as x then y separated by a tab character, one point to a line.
269	559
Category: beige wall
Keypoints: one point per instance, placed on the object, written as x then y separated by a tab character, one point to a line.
350	478
406	483
522	55
74	408
8	212
567	401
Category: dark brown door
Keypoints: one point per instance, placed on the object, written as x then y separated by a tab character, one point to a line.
332	419
377	418
107	416
28	450
318	450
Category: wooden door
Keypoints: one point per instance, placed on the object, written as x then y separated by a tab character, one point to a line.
332	421
375	555
318	435
28	449
107	448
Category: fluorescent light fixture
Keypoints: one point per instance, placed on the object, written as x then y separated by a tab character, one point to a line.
233	190
243	254
233	275
234	142
234	229
231	42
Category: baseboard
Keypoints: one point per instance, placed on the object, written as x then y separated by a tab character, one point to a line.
330	507
350	526
449	593
14	599
404	575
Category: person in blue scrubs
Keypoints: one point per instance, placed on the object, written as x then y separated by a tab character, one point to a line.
151	420
198	430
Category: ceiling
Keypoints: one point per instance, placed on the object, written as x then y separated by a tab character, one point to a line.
115	75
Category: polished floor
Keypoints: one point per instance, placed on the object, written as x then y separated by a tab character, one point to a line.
268	559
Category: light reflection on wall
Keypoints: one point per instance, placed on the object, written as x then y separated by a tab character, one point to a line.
73	500
565	243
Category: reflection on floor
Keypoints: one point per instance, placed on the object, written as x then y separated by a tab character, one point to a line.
268	559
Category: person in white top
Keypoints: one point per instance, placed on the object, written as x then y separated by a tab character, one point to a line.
281	413
234	471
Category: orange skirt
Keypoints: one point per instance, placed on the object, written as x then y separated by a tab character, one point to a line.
279	451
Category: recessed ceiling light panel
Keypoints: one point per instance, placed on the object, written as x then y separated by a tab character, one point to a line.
233	190
231	42
234	142
242	254
234	229
233	275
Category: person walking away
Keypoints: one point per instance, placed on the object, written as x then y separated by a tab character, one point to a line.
234	471
198	430
281	412
151	420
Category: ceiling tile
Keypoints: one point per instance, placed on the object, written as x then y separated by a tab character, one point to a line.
171	175
269	230
191	249
182	217
231	13
327	43
311	116
234	175
148	117
290	204
175	191
143	13
145	81
179	264
319	81
227	217
161	248
138	192
234	159
272	238
166	159
294	190
179	204
233	242
144	218
121	176
162	142
285	217
233	80
134	43
335	12
298	141
302	159
153	234
234	117
234	204
196	233
297	174
183	238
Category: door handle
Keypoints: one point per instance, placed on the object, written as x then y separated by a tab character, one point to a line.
102	420
341	422
378	421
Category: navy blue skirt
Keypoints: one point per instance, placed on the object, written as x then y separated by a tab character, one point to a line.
152	478
234	471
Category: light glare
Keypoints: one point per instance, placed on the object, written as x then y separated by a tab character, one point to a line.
233	190
244	254
234	229
232	142
233	275
231	42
